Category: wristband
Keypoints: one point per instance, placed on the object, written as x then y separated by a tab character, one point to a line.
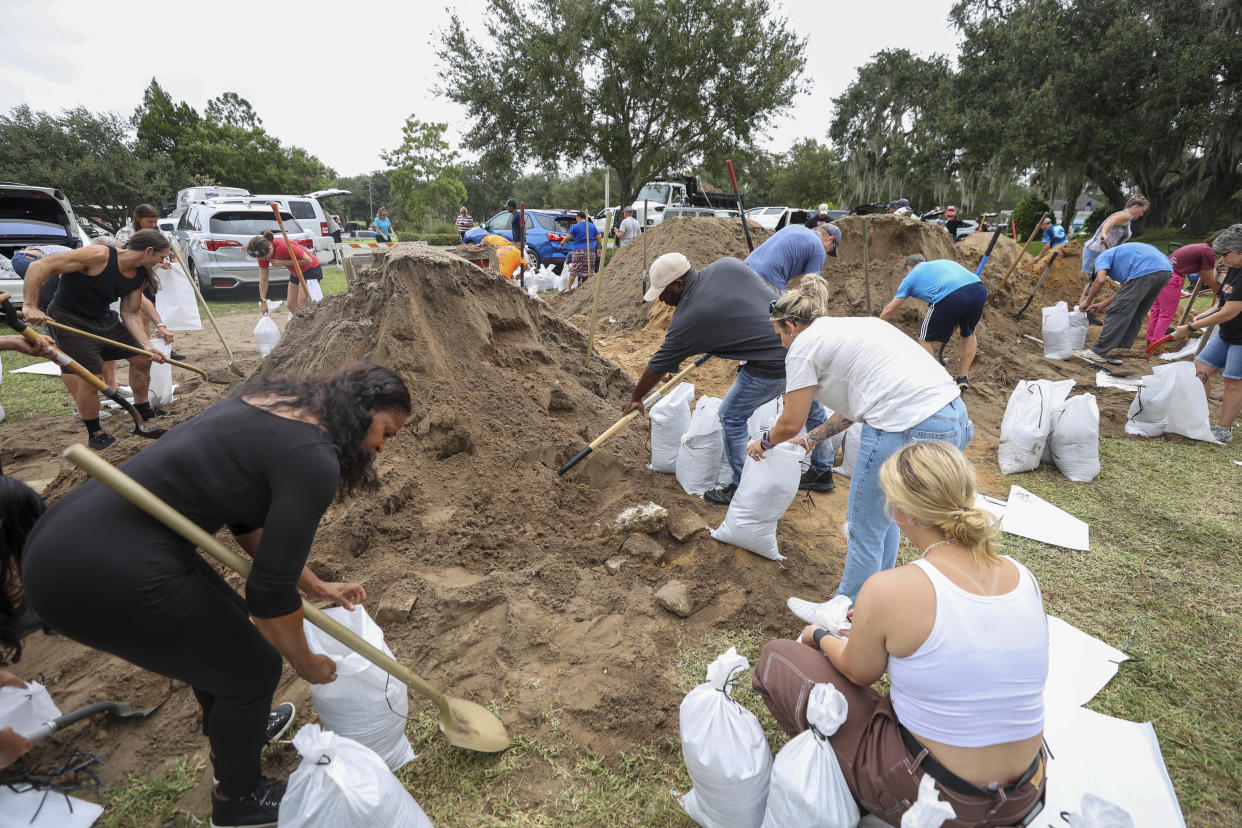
764	442
818	636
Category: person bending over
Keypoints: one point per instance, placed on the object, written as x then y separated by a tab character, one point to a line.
274	252
1191	262
1142	271
266	463
794	250
963	636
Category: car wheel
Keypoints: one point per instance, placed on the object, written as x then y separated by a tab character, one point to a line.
206	290
533	259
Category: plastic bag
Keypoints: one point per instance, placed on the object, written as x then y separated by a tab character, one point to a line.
1055	332
25	710
364	703
928	811
1077	329
176	301
266	335
1171	400
1074	444
315	290
161	389
831	614
725	751
698	458
767	488
1099	813
849	440
808	789
670	420
764	417
341	782
1028	422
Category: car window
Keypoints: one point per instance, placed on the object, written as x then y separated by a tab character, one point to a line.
653	192
774	211
248	223
301	209
500	221
183	223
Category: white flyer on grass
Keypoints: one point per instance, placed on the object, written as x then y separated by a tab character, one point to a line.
1029	516
1186	350
53	810
1079	665
1131	384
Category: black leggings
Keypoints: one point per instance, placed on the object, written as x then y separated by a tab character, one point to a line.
164	609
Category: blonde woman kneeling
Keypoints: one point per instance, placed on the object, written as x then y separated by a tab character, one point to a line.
963	636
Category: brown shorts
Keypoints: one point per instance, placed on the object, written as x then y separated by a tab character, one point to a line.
88	353
882	773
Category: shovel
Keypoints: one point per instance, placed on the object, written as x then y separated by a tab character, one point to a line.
210	317
647	403
740	207
1042	276
217	378
140	427
1098	365
464	723
122	710
297	266
1151	349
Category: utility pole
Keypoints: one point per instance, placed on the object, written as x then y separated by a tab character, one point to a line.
370	206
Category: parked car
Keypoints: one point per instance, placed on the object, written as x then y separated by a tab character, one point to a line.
190	195
92	230
213	237
360	235
306	209
34	216
774	218
545	231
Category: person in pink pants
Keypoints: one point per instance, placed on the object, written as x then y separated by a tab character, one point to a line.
1188	259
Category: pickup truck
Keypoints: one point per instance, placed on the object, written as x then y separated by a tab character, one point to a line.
657	196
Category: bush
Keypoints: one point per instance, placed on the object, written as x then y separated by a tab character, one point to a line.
1096	218
434	239
442	228
1027	213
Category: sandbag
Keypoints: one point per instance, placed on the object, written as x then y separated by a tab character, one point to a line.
341	782
364	703
670	420
702	447
1055	332
764	417
1074	443
767	488
1078	323
725	751
1171	400
176	301
161	389
266	335
314	290
1027	423
849	442
808	788
25	709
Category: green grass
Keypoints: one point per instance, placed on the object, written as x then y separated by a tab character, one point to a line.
248	300
143	801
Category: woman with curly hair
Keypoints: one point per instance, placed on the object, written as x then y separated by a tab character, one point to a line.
266	463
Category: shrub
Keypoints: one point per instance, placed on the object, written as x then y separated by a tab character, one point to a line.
434	239
1096	218
1027	213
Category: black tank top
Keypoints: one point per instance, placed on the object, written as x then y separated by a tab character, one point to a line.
89	296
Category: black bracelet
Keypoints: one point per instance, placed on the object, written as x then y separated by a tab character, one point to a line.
818	636
764	442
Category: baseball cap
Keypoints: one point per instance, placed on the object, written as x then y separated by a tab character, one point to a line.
1047	220
836	234
665	270
511	202
823	208
900	202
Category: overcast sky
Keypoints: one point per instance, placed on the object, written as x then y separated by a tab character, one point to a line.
339	79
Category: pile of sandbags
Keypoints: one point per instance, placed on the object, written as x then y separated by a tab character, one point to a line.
1042	425
1064	331
701	460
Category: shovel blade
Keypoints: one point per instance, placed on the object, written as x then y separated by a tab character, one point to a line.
474	727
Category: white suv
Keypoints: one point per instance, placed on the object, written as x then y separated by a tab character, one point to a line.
32	216
213	238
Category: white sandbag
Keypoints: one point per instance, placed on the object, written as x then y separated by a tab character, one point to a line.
315	290
161	389
266	335
1078	323
725	751
849	441
1171	400
1075	439
808	789
341	782
764	417
1027	423
364	703
176	301
767	488
562	278
1055	332
25	709
702	446
670	420
928	811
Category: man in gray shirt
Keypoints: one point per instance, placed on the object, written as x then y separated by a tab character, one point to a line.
722	310
629	229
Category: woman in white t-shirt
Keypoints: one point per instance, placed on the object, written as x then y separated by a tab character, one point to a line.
868	372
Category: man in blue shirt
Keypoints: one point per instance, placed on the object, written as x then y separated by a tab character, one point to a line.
794	250
516	227
954	298
1054	236
1143	271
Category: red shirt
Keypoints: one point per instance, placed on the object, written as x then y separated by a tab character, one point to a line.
280	250
1193	258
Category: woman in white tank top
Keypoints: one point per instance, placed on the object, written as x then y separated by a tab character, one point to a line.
963	637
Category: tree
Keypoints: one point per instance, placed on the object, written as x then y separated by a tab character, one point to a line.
643	86
424	179
809	173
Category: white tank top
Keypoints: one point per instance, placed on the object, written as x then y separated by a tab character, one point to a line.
978	679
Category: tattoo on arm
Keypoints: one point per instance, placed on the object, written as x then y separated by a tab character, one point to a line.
835	425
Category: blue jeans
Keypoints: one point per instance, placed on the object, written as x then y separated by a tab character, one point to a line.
747	394
872	536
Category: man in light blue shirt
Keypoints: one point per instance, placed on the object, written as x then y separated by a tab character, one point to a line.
954	298
794	250
1054	236
1143	271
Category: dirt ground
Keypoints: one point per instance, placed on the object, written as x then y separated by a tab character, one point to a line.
488	564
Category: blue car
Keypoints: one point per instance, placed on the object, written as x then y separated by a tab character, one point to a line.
545	231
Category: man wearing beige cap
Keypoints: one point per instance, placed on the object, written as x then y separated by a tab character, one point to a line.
722	310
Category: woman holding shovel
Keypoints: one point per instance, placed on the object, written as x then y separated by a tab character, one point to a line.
274	252
266	463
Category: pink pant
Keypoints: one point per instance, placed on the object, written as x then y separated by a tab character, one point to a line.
1165	308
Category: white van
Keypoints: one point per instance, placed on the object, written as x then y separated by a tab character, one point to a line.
190	195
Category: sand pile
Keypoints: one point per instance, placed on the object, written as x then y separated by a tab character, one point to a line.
702	240
1065	279
970	252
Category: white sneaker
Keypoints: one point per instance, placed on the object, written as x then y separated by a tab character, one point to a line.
1222	434
828	614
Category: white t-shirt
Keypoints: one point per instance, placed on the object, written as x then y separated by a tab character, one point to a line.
869	372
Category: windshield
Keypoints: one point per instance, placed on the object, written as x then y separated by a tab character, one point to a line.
250	224
654	192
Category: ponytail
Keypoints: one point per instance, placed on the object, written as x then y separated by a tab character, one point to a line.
260	247
804	303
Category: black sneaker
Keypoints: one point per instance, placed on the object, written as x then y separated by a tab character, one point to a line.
176	356
1092	319
279	719
816	482
722	496
100	440
155	412
963	383
258	809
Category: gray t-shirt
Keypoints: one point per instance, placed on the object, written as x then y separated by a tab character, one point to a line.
629	230
724	312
